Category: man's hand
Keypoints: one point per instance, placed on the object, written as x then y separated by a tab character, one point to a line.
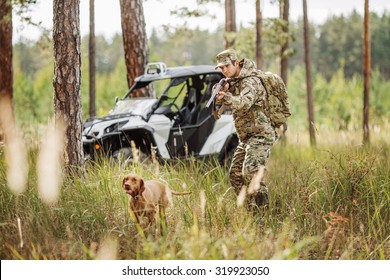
221	94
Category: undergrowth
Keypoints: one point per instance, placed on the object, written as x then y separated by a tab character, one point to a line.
327	202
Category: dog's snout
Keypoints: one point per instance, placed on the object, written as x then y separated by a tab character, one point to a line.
127	188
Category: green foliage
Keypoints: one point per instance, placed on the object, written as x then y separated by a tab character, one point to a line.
297	44
380	40
338	43
335	50
342	101
110	74
108	52
30	56
25	99
338	102
45	94
379	101
296	87
339	47
110	86
182	46
244	41
272	37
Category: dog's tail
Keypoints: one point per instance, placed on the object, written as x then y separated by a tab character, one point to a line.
180	193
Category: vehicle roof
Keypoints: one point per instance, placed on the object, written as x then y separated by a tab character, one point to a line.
180	71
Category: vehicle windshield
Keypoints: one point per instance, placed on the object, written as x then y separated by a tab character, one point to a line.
174	91
156	88
134	106
180	98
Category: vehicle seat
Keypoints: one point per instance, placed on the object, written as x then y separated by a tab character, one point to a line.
190	107
196	98
204	112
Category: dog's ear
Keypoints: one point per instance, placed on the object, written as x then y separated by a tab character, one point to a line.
123	182
141	186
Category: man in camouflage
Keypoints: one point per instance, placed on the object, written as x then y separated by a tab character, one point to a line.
245	95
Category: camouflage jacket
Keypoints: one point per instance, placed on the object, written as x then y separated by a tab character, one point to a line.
246	98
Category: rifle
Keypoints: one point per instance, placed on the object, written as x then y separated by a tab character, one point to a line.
215	91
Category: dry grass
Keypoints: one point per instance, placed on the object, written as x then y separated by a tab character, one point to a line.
328	202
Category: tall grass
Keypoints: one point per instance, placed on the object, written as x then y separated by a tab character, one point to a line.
328	202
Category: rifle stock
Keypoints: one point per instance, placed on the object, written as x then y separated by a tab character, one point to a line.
215	91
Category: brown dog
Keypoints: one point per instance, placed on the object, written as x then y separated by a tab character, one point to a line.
146	196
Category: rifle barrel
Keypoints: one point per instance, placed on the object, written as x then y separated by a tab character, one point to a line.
216	90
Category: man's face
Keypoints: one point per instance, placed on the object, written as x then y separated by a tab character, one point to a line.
230	70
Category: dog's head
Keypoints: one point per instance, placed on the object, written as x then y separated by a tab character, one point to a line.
133	185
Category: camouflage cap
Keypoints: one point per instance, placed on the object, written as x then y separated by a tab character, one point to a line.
225	57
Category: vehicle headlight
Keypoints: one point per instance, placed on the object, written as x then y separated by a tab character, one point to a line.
114	127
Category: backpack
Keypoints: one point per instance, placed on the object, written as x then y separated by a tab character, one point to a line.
277	105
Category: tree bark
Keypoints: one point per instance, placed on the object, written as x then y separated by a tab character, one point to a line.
284	11
367	73
67	79
92	60
230	21
308	75
6	78
259	35
134	39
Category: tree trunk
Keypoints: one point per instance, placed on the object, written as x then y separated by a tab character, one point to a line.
134	39
92	60
284	13
259	29
230	22
308	75
367	73
6	79
67	78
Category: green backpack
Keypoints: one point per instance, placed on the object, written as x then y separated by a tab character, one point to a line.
277	105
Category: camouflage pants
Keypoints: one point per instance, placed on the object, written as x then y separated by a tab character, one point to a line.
248	158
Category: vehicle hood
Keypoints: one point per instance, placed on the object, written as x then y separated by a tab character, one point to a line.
134	110
135	106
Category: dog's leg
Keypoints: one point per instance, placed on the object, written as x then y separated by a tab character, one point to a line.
150	216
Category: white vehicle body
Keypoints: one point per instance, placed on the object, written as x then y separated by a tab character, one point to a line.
175	125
